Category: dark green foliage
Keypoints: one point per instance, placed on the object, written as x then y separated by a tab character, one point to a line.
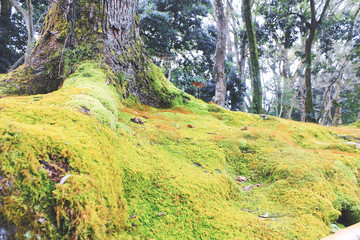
12	40
355	56
279	23
235	86
173	26
174	31
350	104
337	29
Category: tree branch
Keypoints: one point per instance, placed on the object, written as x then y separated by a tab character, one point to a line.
351	32
18	8
302	17
64	10
17	63
323	12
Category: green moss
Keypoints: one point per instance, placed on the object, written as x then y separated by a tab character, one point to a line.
174	176
357	124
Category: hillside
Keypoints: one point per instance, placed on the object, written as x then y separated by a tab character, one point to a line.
173	175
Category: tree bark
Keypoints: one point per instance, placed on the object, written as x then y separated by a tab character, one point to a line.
255	67
219	68
5	26
5	13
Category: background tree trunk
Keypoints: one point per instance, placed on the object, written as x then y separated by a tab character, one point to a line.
5	13
5	25
255	67
337	115
227	17
309	109
27	16
286	87
221	23
313	26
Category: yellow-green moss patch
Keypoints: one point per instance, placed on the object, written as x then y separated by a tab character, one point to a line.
172	177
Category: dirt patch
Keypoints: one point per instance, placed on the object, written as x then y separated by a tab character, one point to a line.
56	169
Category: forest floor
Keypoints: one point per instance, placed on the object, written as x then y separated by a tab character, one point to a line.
83	163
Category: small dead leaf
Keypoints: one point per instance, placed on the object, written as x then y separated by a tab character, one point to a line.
85	110
161	214
198	164
137	120
190	126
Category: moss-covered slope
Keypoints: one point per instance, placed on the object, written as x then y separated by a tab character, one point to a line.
172	177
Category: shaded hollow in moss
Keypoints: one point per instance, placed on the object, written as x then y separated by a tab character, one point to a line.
348	217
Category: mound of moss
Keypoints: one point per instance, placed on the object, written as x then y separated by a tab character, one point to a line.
76	165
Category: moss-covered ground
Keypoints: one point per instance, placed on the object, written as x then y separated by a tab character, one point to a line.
172	177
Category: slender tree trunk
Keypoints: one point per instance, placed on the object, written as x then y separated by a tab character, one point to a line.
221	23
313	26
255	67
228	39
273	68
236	44
337	115
242	65
327	109
286	87
295	94
309	109
27	16
240	55
302	101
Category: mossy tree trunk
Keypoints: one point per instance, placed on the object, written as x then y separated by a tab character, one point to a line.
106	31
254	59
